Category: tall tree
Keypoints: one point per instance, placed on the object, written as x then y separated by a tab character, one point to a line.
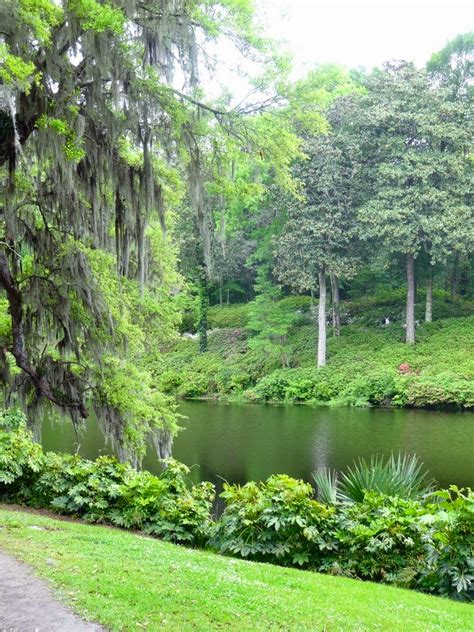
416	142
94	145
320	237
453	66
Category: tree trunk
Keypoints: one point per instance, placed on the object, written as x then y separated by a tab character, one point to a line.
220	294
429	298
454	279
203	308
336	312
322	320
410	318
228	298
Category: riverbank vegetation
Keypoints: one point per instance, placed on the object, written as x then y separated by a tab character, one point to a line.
384	522
368	363
126	582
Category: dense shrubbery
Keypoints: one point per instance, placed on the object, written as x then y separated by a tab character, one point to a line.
277	521
103	490
365	367
228	317
410	543
421	543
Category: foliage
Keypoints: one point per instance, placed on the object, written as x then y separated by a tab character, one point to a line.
451	553
99	156
276	521
401	476
387	537
20	458
104	490
364	362
230	317
383	538
270	320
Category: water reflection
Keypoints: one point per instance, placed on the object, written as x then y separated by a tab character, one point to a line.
249	442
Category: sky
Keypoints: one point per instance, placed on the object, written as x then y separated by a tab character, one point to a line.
363	33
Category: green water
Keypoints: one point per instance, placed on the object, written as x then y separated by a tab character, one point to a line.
241	442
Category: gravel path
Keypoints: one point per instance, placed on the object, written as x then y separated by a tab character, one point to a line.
28	605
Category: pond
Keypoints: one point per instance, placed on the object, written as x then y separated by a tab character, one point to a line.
242	442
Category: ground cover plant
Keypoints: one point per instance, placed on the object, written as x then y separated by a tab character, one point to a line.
424	542
368	364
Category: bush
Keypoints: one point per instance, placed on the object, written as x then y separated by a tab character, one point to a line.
401	476
277	521
295	385
372	390
441	391
20	458
105	490
228	316
382	539
450	568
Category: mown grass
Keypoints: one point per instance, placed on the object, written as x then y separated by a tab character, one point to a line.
129	582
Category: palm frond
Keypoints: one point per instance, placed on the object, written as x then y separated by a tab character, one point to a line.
326	481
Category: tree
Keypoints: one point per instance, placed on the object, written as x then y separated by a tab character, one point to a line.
416	147
95	142
270	320
453	66
320	236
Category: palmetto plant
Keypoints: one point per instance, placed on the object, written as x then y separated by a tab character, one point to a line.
401	475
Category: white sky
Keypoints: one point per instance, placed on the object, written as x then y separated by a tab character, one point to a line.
363	33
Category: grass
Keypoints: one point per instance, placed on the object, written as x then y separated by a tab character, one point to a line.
129	582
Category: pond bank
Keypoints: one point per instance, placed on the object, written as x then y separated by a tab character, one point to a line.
366	367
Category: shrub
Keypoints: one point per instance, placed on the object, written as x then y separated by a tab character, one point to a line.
277	521
450	568
295	385
232	380
372	389
169	381
441	391
164	506
397	476
72	485
20	457
104	490
228	316
382	539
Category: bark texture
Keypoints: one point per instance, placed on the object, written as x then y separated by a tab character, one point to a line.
410	317
429	299
336	310
322	320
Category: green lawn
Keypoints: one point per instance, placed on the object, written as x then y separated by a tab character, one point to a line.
129	582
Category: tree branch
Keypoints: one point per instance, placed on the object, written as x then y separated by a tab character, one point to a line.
18	350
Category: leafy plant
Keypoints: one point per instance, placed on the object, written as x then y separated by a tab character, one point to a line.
450	549
397	476
20	457
276	521
382	538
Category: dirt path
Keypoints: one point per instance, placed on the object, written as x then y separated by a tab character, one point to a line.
27	603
